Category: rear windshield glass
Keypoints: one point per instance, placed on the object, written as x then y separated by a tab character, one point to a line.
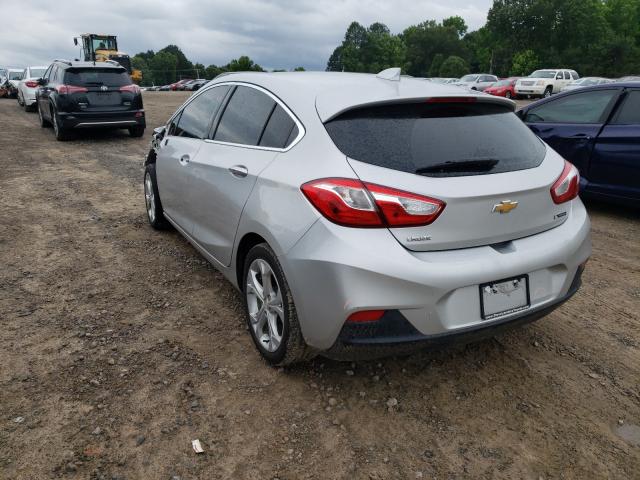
37	72
97	76
438	139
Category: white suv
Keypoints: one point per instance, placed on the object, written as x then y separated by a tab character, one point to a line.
544	83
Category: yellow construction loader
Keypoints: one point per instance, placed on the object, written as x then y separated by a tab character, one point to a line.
100	48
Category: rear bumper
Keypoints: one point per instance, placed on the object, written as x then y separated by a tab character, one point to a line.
126	119
335	271
393	334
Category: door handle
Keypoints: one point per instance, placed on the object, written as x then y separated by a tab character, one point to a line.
239	171
185	159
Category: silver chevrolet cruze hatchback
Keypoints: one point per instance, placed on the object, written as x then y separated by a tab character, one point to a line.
364	215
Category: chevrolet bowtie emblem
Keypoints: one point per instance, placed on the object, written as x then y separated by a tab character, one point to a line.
504	206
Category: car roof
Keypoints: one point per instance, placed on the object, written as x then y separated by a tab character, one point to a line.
79	64
328	94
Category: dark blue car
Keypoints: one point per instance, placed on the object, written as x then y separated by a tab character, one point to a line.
598	130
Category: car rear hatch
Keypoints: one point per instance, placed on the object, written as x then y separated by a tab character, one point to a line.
476	156
100	89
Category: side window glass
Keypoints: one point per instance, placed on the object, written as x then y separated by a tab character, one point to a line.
174	125
629	112
196	117
567	76
278	129
47	74
588	107
559	76
244	117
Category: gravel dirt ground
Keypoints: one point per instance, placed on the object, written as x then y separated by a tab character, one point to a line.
119	345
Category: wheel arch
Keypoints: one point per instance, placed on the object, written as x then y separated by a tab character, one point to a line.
248	241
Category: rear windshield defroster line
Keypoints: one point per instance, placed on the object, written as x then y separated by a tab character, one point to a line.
438	139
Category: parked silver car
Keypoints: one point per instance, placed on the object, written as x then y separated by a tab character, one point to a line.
477	81
363	215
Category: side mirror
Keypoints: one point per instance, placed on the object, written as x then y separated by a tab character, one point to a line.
158	132
521	114
41	81
75	41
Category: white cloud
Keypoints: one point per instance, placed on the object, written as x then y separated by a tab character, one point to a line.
275	33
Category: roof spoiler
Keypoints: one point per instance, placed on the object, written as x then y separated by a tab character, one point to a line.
391	74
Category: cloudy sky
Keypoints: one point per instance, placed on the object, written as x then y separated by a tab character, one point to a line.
275	33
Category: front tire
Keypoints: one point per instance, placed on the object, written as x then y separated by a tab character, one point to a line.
155	213
547	92
271	313
43	123
61	133
508	95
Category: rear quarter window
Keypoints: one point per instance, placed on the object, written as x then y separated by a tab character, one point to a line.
439	139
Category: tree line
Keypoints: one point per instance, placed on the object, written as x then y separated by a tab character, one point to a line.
594	37
170	64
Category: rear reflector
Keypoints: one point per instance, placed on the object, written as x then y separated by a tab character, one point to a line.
351	203
366	316
69	89
567	186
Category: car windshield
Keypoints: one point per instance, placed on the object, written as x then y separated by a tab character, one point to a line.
111	77
15	75
503	83
438	139
37	72
543	74
469	78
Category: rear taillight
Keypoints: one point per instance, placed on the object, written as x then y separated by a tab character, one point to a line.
351	203
133	88
69	89
31	83
567	186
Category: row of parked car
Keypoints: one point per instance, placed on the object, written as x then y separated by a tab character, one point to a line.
539	84
187	84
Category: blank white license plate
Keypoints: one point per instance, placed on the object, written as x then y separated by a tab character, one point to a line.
505	297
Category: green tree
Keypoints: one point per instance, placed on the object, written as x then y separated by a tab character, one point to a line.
299	69
184	67
457	23
427	39
454	67
243	64
524	63
163	68
434	70
212	71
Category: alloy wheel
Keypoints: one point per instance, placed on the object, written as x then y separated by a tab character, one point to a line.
264	302
149	198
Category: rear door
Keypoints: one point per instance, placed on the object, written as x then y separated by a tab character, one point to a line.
184	139
100	89
615	163
250	133
571	123
475	157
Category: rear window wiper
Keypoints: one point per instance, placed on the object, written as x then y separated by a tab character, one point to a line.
460	167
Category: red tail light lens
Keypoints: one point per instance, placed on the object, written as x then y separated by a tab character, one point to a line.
366	316
31	83
567	186
133	88
69	89
351	203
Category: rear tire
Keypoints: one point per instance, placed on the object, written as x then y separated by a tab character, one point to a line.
271	313
136	132
153	205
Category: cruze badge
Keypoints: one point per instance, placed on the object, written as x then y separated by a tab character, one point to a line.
504	206
104	88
